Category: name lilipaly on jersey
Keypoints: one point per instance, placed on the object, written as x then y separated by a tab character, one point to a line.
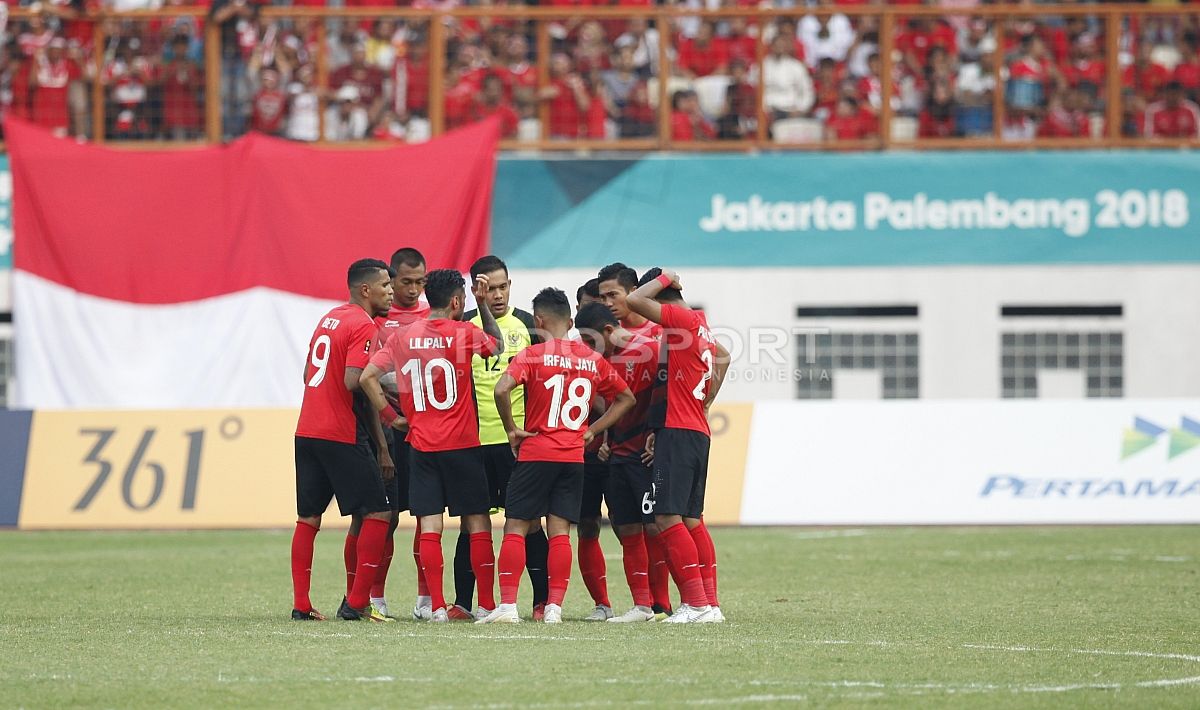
430	343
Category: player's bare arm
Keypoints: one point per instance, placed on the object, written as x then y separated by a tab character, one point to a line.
366	414
503	395
486	319
648	451
720	367
352	377
642	302
369	380
623	403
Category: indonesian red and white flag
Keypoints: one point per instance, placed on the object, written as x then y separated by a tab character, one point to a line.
194	278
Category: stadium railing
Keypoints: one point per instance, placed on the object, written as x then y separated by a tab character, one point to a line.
144	78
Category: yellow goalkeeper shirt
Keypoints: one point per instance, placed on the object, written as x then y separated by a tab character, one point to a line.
518	330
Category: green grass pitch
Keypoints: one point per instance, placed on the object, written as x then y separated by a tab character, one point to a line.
875	618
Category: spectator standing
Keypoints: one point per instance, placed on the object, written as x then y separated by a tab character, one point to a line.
787	87
182	80
231	16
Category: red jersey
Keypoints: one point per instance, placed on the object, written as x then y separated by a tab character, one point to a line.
637	365
690	352
432	361
398	317
1182	121
560	377
342	339
649	329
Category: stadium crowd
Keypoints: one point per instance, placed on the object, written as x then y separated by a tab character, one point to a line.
820	75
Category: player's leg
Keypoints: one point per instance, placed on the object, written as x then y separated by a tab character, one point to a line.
350	551
591	556
358	486
468	497
674	471
526	501
565	496
626	513
464	577
693	519
392	487
422	607
427	502
313	493
659	571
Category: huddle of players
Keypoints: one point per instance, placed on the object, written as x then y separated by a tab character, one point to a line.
644	369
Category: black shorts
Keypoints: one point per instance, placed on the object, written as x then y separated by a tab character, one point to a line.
441	480
540	488
595	483
325	469
680	472
397	488
630	493
498	461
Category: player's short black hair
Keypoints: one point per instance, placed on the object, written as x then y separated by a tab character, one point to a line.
625	276
441	285
594	316
407	256
552	302
486	265
668	293
363	269
591	288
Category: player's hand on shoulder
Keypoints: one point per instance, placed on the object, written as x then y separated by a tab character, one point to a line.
604	452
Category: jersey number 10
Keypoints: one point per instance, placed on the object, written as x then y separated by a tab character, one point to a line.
423	391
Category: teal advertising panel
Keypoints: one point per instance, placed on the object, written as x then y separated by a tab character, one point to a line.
891	209
6	234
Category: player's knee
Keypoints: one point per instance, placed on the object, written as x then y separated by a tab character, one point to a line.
431	524
355	524
313	522
627	531
385	516
589	528
667	521
514	526
477	523
557	526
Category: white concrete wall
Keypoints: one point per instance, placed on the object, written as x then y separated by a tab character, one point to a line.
959	321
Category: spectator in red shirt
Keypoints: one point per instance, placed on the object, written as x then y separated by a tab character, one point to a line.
1029	74
628	101
827	87
937	119
568	97
269	110
1144	76
847	122
520	77
182	80
491	102
1085	69
1187	71
365	77
592	51
413	71
741	103
50	79
739	43
1062	122
703	55
687	122
1174	116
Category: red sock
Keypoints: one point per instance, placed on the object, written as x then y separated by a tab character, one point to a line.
350	555
637	563
302	556
512	566
385	562
483	564
432	565
659	571
707	552
684	562
558	568
422	587
371	537
591	566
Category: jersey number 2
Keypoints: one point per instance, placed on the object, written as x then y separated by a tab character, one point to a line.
707	358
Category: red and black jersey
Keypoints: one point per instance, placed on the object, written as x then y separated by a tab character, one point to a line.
432	362
637	365
560	377
688	351
344	338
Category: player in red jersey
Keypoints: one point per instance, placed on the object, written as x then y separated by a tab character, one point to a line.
617	281
631	485
695	370
408	284
559	376
332	454
432	361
